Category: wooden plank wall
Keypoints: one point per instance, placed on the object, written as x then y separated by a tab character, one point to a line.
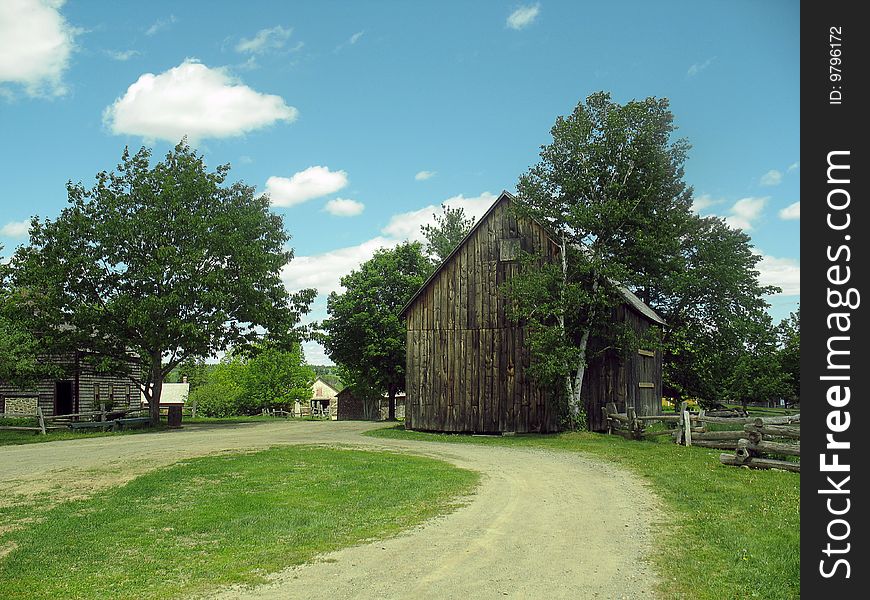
618	379
466	361
83	377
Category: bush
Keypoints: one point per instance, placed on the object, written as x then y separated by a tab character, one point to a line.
217	399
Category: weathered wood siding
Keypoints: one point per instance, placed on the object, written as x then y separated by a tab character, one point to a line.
633	380
89	388
466	362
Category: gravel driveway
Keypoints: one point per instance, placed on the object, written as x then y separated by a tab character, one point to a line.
542	525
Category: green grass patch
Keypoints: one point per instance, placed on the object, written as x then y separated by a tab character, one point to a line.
15	438
220	520
730	533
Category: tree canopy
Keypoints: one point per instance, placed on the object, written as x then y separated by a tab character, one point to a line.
610	188
450	228
364	333
159	264
713	303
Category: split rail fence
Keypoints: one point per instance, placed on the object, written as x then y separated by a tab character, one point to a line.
100	419
760	442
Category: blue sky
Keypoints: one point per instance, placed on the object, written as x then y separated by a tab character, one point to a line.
361	117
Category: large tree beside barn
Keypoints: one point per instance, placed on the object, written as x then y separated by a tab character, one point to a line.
714	304
159	263
610	189
364	332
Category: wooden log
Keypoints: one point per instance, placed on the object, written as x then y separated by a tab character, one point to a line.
618	417
647	434
784	431
668	418
760	463
786	420
729	420
610	408
742	453
687	422
718	435
624	433
718	444
776	448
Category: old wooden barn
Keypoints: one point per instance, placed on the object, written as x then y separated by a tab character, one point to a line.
467	362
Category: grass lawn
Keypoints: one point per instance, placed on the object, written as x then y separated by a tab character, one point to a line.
14	438
220	520
730	532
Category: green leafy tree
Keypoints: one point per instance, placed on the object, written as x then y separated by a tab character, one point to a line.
713	303
757	375
789	332
276	378
450	228
364	332
159	264
610	189
20	351
223	393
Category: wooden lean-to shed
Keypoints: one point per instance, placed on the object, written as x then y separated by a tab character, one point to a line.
467	361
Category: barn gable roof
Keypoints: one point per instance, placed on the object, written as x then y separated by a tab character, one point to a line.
632	300
504	196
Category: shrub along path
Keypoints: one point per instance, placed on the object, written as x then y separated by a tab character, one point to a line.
542	524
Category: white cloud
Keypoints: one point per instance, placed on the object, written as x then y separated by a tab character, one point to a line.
406	226
161	25
350	41
772	177
324	271
16	229
313	182
523	16
265	40
424	175
794	166
745	211
35	45
703	202
122	55
781	272
342	207
194	100
792	212
698	67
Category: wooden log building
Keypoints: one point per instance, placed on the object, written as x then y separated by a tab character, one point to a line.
467	362
80	389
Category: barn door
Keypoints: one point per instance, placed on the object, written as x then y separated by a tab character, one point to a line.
647	401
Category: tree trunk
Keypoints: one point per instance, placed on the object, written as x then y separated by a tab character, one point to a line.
575	403
156	389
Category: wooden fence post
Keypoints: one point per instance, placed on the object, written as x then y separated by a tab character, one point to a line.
40	419
687	420
631	413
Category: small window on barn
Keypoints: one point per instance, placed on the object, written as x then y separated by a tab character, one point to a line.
96	395
509	249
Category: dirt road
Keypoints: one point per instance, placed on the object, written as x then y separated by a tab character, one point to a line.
542	525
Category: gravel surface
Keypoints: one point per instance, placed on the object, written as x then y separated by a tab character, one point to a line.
542	525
